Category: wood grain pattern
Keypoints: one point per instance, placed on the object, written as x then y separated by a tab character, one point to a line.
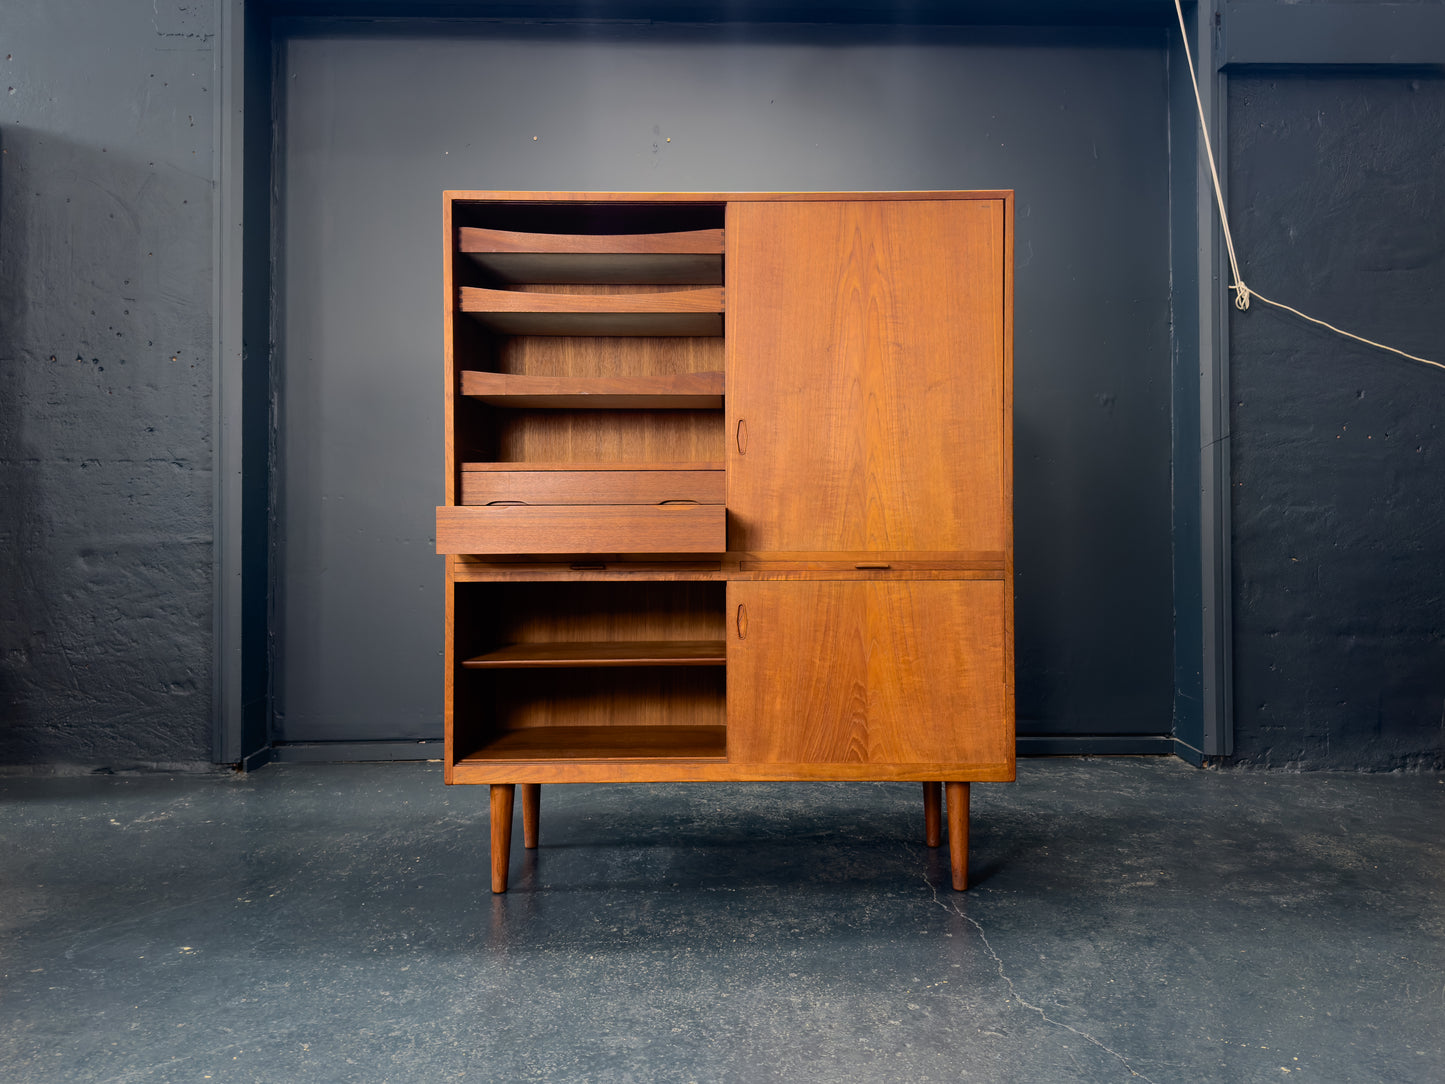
878	673
672	391
608	653
985	561
687	257
478	240
477	299
695	311
597	612
592	486
587	437
883	429
695	770
651	696
608	355
667	528
869	362
603	743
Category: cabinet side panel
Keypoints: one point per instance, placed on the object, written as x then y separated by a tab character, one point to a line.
865	376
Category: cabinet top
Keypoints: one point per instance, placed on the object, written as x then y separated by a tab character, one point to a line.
466	196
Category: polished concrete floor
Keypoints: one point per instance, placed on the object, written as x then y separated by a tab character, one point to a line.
1131	920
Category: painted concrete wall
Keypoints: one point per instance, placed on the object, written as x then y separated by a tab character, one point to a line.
105	376
105	410
1337	186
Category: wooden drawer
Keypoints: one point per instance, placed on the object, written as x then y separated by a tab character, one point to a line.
591	487
665	528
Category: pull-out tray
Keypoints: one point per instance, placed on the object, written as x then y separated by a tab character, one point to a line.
597	528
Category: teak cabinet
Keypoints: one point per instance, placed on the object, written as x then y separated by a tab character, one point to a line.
729	492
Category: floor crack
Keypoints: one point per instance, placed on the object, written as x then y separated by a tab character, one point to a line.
950	906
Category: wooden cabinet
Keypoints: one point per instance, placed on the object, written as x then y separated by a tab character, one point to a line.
729	484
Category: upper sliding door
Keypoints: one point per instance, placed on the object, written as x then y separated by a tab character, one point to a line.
865	376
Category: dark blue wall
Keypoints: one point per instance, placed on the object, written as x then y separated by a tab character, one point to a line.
1337	186
377	120
106	415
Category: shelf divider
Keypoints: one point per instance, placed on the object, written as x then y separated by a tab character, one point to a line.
606	653
602	743
682	258
676	391
696	312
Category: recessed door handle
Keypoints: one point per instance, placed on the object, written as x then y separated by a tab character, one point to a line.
742	436
742	622
873	567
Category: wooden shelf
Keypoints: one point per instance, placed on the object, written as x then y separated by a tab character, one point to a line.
689	257
520	465
677	391
609	653
603	743
665	313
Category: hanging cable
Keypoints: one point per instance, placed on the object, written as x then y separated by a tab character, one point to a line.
1242	293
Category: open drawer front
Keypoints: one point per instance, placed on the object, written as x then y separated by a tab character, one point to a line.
596	528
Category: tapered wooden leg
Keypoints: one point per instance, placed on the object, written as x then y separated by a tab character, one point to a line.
932	813
958	833
531	809
501	833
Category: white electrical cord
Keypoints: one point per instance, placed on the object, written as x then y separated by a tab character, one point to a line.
1242	293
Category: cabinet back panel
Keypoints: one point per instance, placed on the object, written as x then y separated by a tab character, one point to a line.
608	436
584	612
609	355
660	696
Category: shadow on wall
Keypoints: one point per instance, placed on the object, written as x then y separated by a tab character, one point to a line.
105	487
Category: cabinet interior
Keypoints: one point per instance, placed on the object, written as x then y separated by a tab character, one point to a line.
582	670
588	334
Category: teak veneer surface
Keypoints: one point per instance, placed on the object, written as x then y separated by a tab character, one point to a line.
914	671
662	528
852	617
604	742
663	312
686	257
873	423
586	439
474	239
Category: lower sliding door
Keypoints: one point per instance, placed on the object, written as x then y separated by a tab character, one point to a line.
897	672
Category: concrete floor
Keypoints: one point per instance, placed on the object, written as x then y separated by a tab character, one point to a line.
1131	920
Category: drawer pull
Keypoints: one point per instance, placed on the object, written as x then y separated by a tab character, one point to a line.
742	622
873	567
677	500
499	504
597	567
742	436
